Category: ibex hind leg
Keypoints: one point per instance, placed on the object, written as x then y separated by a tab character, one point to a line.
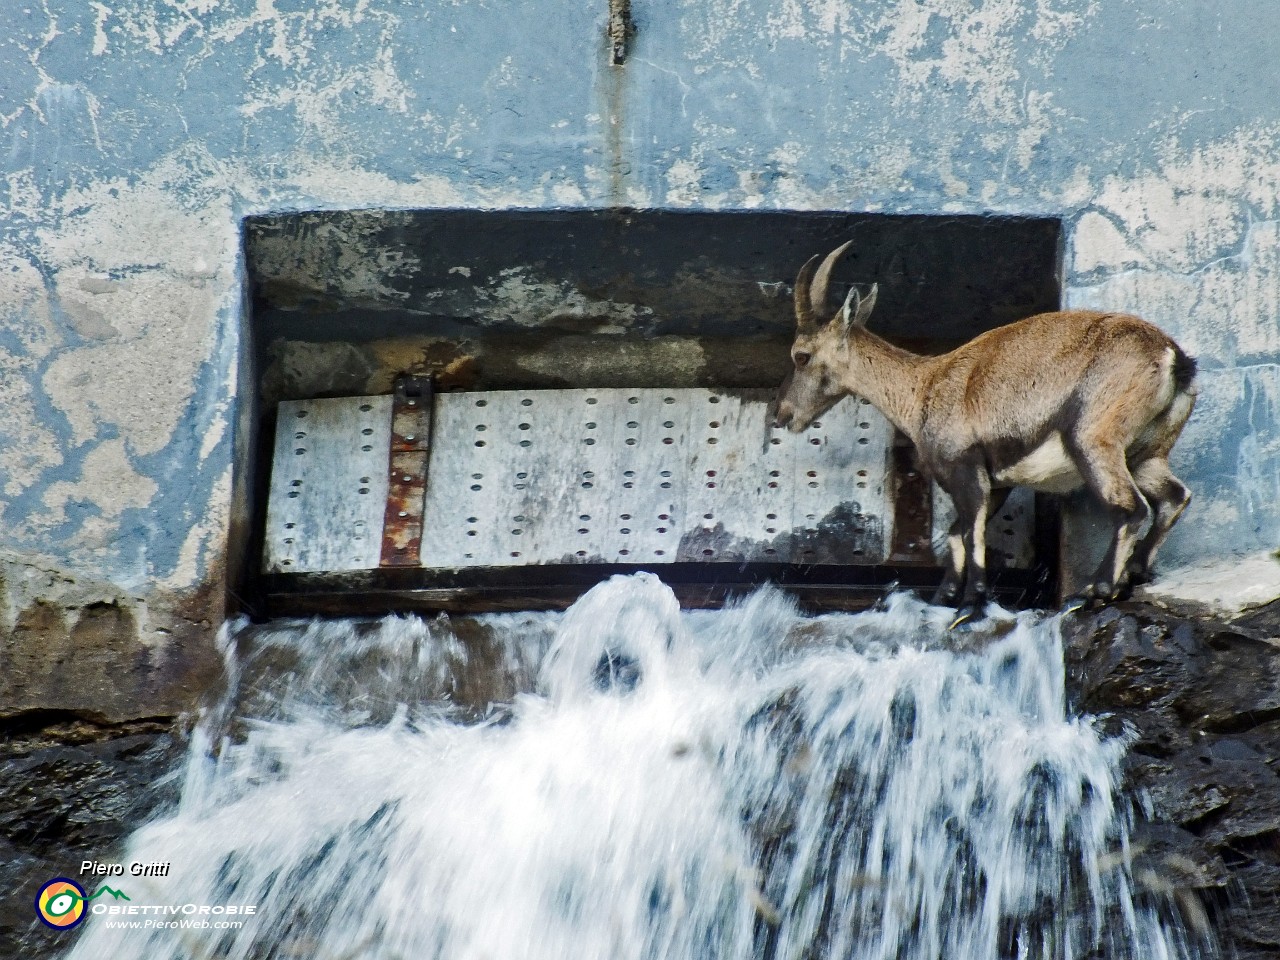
1169	497
1167	494
1107	476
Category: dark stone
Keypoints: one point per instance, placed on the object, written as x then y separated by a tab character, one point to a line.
71	790
1265	738
1252	915
1264	621
1201	700
1180	857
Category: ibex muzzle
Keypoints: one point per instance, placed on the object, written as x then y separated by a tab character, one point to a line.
1056	402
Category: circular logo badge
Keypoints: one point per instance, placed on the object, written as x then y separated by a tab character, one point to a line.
60	903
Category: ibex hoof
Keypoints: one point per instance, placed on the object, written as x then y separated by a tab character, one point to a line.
970	613
1074	603
1090	595
1139	575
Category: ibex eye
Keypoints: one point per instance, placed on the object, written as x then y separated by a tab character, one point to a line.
802	359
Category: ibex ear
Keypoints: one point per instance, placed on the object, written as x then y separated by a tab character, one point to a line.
857	311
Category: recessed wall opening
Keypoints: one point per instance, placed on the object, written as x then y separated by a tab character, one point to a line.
644	342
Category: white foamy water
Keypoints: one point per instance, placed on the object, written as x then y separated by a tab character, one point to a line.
629	781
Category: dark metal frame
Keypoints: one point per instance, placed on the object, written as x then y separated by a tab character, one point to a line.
400	585
555	587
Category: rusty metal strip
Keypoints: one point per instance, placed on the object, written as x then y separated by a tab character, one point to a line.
912	508
411	414
621	28
407	464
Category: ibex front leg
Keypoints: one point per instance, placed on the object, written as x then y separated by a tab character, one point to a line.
970	491
948	592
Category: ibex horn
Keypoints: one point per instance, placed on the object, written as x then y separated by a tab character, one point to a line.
805	320
822	279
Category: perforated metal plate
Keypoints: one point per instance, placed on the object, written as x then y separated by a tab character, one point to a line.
328	485
600	476
650	476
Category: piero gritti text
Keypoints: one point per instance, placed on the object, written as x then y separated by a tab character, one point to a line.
96	868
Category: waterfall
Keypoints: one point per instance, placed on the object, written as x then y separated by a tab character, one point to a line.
627	780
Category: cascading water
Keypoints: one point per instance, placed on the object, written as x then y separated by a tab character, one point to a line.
629	781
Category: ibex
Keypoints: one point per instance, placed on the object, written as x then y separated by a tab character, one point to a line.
1055	402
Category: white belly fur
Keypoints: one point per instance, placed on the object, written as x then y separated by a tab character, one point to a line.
1047	468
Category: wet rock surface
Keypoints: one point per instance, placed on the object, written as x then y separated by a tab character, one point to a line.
71	790
1201	700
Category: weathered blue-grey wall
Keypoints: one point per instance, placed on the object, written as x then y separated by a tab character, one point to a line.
138	132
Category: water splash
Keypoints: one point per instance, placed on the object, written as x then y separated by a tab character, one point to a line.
629	781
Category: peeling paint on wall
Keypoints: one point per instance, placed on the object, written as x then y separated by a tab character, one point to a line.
978	48
134	277
1192	244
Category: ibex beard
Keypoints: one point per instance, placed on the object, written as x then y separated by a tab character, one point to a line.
1056	402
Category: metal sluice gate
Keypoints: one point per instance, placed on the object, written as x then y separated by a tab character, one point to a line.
522	498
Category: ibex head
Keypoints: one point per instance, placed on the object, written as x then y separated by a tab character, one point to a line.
820	350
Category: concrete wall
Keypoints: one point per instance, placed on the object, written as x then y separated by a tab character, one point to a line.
137	134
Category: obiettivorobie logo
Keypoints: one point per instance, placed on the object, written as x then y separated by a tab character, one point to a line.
61	902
